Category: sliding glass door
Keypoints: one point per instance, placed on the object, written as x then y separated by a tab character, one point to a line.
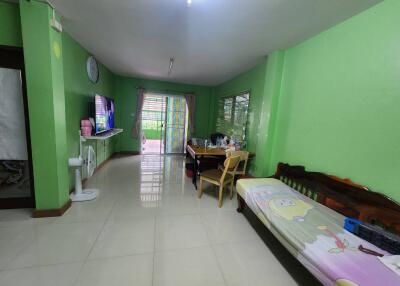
176	125
164	124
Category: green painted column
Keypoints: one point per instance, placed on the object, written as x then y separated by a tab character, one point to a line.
46	102
268	114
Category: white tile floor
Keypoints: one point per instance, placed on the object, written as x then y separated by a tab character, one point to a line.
147	227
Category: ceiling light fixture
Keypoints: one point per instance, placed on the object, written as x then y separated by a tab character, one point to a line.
171	65
189	2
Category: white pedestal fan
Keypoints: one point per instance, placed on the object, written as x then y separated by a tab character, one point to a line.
87	161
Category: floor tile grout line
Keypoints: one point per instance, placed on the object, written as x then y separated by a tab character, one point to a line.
22	249
212	246
29	244
100	232
42	265
213	251
119	256
205	228
154	251
182	249
198	212
219	265
91	248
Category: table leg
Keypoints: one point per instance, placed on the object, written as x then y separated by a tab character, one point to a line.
195	167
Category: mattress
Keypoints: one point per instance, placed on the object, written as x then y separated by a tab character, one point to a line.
314	234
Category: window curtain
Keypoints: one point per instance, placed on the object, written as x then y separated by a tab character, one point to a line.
138	119
191	103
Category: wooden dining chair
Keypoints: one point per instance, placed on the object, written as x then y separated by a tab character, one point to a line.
244	157
221	178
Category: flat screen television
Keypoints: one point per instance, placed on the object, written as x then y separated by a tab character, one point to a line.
104	113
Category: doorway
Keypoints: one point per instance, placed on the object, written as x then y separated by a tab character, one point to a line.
164	124
153	122
16	176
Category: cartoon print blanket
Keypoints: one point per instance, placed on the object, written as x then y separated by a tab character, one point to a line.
316	233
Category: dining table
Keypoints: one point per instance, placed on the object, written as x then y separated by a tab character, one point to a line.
199	152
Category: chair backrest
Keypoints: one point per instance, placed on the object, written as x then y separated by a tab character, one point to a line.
230	165
244	156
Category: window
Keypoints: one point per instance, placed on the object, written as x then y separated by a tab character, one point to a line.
232	116
228	102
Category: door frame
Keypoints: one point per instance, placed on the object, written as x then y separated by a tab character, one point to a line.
13	58
163	134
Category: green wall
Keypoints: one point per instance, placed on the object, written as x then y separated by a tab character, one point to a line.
330	103
126	95
10	25
79	92
58	94
264	83
339	105
252	80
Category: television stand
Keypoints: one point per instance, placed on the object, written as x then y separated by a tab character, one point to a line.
104	135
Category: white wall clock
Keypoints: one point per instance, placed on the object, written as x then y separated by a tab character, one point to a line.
92	69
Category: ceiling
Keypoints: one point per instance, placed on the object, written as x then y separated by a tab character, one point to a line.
211	40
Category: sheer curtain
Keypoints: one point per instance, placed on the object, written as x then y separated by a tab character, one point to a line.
191	103
12	117
138	119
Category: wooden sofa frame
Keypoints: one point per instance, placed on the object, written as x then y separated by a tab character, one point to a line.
342	195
